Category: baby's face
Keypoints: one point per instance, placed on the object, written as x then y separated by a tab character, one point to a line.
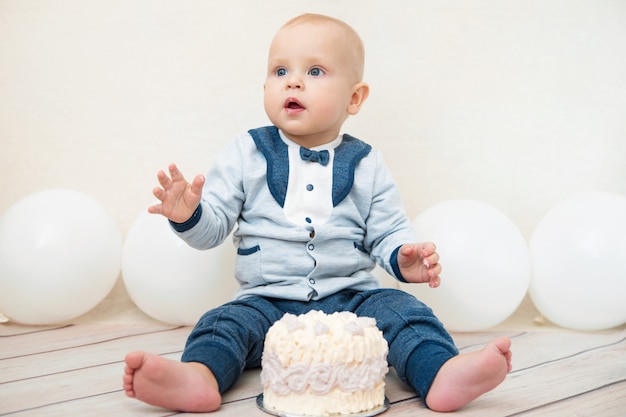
310	82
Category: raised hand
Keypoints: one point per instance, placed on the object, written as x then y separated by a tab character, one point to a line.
179	199
419	262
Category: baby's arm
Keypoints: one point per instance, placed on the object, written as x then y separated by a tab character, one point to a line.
179	199
419	262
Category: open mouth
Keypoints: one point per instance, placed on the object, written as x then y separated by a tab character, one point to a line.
293	104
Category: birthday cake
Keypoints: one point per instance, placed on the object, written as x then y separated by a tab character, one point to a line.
319	364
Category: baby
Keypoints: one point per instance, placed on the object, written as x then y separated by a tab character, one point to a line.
314	211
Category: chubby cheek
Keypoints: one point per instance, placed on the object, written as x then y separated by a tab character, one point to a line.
332	100
271	106
332	110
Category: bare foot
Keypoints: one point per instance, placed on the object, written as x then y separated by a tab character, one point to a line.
179	386
466	377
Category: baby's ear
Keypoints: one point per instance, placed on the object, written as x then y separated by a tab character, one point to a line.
360	92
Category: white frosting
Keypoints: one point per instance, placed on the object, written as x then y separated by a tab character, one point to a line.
339	356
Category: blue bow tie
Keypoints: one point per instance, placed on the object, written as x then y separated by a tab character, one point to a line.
314	156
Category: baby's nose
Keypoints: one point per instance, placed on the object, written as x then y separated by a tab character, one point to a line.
294	81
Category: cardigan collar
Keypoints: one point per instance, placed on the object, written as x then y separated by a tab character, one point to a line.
275	150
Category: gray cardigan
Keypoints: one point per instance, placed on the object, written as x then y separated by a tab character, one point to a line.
246	187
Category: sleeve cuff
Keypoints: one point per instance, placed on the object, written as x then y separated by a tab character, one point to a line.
394	265
193	220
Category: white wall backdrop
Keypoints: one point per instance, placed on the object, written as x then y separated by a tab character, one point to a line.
515	103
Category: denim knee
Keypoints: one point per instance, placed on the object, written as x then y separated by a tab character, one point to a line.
414	334
229	338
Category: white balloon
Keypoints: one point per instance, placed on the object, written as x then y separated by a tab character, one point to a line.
60	255
578	254
171	281
485	264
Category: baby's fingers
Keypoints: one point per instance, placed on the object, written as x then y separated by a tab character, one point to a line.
434	282
164	180
155	209
430	260
426	249
159	193
197	184
175	173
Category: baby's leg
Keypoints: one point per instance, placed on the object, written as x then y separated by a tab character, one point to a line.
467	376
181	386
424	355
228	338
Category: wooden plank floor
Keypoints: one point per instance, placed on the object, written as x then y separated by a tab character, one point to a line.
77	369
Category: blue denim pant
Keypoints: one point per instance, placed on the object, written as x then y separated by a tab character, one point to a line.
229	339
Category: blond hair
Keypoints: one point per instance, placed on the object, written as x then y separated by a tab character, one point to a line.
353	39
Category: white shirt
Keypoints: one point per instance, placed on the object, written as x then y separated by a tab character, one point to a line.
308	201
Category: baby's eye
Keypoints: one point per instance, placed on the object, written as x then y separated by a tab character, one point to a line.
316	72
281	72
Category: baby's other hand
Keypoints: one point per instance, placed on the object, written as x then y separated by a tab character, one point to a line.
419	262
